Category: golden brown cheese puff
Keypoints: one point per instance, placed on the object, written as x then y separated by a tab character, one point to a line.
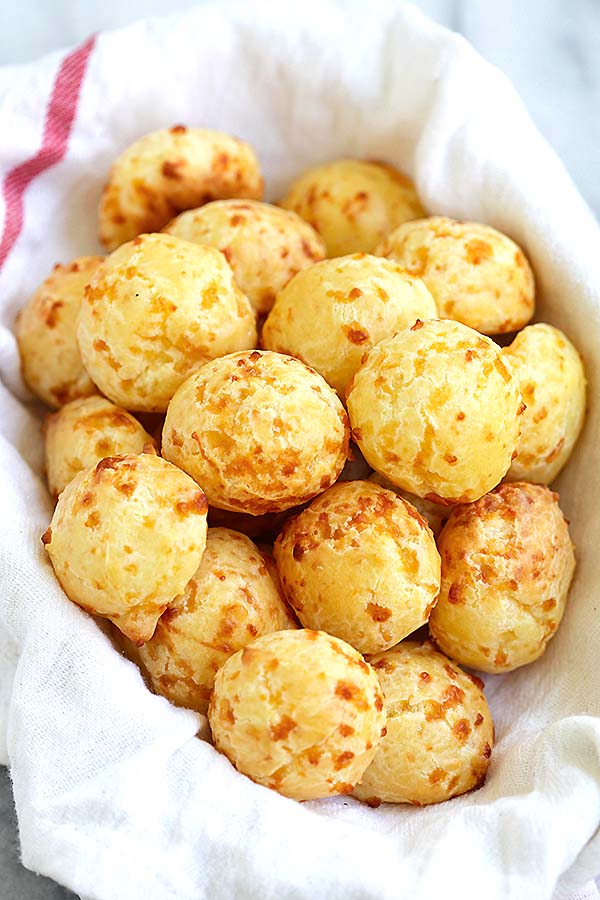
361	564
330	315
168	171
477	275
264	245
125	539
435	409
353	203
434	513
440	732
553	385
507	563
261	432
158	308
230	601
298	711
85	431
46	332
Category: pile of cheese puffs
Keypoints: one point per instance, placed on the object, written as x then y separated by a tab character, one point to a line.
287	438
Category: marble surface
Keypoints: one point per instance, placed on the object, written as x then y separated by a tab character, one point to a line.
548	48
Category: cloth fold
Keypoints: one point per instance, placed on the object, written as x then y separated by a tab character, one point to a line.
116	796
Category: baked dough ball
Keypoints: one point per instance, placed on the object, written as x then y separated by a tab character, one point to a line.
331	314
85	431
261	432
477	275
125	539
264	245
157	310
434	513
361	564
553	386
439	729
436	410
298	711
46	332
353	203
168	171
507	563
230	601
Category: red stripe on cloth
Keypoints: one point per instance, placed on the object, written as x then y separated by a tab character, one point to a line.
60	114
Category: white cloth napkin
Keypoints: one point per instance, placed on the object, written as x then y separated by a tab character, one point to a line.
116	796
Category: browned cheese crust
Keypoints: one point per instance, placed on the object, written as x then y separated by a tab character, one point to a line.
361	564
126	537
507	564
158	309
330	315
300	712
553	385
477	275
85	431
168	171
260	432
436	409
440	732
46	331
229	602
353	203
264	245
